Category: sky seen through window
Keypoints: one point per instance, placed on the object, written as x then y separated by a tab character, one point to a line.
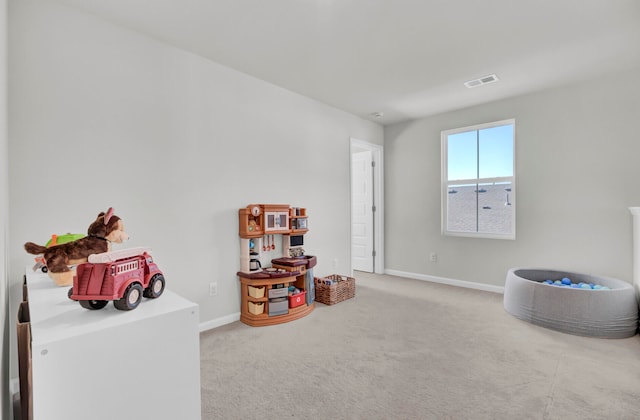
494	146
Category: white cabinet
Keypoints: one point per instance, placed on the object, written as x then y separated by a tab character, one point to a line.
106	364
276	219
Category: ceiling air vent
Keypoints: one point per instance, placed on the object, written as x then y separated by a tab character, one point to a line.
481	81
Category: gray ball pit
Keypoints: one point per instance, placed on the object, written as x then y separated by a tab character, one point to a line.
594	313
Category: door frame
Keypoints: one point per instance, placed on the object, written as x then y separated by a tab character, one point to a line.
377	152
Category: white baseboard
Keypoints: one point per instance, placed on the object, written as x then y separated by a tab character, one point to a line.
450	282
218	322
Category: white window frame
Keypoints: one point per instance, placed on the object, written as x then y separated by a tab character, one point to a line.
445	182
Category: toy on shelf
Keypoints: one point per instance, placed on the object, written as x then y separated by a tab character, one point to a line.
123	276
55	240
63	239
61	259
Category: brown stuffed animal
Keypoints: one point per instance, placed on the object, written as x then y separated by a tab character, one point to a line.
105	229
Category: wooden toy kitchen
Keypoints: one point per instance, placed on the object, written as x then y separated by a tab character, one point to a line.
285	291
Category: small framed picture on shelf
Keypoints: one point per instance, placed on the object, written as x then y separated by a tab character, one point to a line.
302	223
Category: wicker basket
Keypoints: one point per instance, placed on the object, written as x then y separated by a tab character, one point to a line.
341	288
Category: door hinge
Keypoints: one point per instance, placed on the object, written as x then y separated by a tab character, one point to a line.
373	253
373	163
373	209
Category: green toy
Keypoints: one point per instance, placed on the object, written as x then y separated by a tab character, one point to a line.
63	239
56	240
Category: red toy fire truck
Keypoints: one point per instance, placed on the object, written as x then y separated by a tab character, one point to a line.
121	276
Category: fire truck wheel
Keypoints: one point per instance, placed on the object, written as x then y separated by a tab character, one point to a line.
70	292
93	304
156	287
44	269
131	299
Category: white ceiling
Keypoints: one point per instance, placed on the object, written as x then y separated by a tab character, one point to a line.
405	58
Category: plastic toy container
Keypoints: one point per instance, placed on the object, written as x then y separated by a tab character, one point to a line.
256	308
297	300
256	292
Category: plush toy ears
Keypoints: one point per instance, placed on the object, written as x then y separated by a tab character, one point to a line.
108	215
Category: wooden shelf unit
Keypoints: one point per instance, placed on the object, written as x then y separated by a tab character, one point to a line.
264	319
251	221
255	222
298	221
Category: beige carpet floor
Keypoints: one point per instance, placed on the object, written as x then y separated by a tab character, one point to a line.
407	349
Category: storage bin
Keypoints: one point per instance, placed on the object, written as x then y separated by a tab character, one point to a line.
256	292
297	300
334	289
256	308
278	306
282	292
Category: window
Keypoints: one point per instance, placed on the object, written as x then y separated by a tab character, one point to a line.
478	181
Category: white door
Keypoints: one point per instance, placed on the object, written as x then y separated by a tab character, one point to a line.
362	211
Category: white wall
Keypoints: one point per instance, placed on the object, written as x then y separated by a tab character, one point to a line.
4	218
576	165
102	116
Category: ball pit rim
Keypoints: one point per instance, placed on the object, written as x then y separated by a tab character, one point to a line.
611	313
612	283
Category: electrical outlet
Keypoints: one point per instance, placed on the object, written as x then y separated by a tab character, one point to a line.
433	257
213	289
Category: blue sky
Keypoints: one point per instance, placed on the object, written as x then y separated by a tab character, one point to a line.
495	148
